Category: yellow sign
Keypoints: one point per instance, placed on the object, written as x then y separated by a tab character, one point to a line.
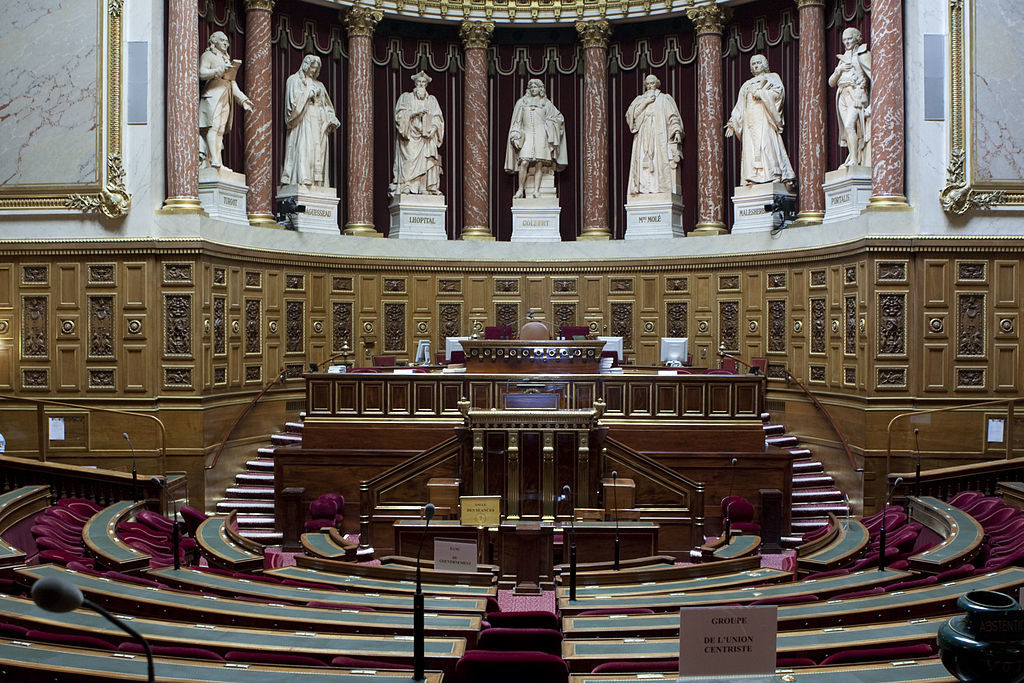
480	510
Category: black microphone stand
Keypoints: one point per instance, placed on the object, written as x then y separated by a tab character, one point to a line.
418	634
881	533
135	473
615	510
728	506
567	493
175	530
917	468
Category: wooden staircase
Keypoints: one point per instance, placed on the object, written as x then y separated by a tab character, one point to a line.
252	494
814	490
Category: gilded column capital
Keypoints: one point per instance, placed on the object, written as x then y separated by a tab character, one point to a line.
361	21
708	19
476	33
800	4
594	33
265	5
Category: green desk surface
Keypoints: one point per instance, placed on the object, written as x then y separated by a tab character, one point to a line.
100	535
211	538
855	537
964	537
702	583
8	497
323	545
93	665
673	601
381	585
927	601
396	603
24	611
924	671
10	503
216	610
738	546
584	655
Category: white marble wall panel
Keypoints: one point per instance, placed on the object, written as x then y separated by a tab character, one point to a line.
50	93
998	134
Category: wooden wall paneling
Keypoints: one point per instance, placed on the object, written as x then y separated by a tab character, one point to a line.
69	368
451	393
317	287
480	397
936	283
649	293
425	399
1005	367
666	398
592	295
138	373
346	398
1006	283
7	346
136	285
535	296
371	398
399	398
69	286
693	399
478	299
639	400
615	398
6	285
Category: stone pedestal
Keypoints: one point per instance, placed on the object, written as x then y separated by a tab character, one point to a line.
418	216
222	193
321	214
847	192
748	202
654	216
536	220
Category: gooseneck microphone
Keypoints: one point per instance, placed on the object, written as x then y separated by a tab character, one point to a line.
567	495
728	506
881	533
135	473
418	634
55	594
615	512
175	530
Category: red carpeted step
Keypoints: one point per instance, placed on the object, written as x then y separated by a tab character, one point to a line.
807	467
260	465
250	492
817	495
800	452
806	510
774	429
255	479
813	480
264	536
293	427
285	439
802	526
255	521
242	505
783	441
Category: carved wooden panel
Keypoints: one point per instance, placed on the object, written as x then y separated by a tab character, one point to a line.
728	283
850	375
970	327
35	379
253	373
850	275
253	326
294	326
620	285
970	271
817	373
777	280
177	378
676	318
294	281
253	279
970	378
35	327
892	271
450	320
393	285
777	325
35	274
622	323
891	378
818	325
729	325
101	326
449	286
563	314
394	326
341	325
177	273
101	274
677	283
506	314
563	285
178	327
892	324
850	327
341	283
506	285
219	277
818	278
101	378
220	326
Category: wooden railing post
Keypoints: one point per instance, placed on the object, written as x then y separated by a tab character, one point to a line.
1008	432
43	430
292	517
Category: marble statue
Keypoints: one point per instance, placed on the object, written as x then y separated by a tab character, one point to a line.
852	81
309	118
653	118
757	123
217	73
420	127
536	139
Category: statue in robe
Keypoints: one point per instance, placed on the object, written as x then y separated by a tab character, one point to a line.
852	81
536	139
309	118
217	72
757	122
657	128
420	127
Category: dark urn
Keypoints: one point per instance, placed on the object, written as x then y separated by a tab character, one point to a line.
986	643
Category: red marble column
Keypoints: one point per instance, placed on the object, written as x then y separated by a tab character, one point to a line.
811	160
887	130
258	153
594	36
182	101
709	22
476	35
360	23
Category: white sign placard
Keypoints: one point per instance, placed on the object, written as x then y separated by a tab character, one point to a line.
451	555
995	430
722	641
56	429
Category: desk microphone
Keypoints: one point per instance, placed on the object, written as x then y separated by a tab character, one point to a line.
135	474
728	506
175	531
418	634
881	533
56	594
567	495
615	512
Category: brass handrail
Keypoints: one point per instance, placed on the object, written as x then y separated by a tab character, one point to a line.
245	411
828	416
1007	434
42	432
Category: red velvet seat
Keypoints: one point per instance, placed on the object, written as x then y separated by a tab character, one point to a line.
173	651
277	658
879	654
614	610
740	513
71	639
641	666
792	662
573	331
867	592
523	619
346	662
786	600
499	332
338	605
63	557
384	361
364	370
155	521
485	666
193	517
965	498
521	640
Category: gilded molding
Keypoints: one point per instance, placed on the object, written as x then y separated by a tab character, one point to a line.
800	4
361	21
594	33
265	5
709	19
958	196
476	33
113	201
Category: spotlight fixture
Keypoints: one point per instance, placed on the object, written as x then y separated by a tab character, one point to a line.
287	208
783	210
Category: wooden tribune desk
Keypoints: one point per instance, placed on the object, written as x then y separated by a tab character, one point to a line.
532	357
